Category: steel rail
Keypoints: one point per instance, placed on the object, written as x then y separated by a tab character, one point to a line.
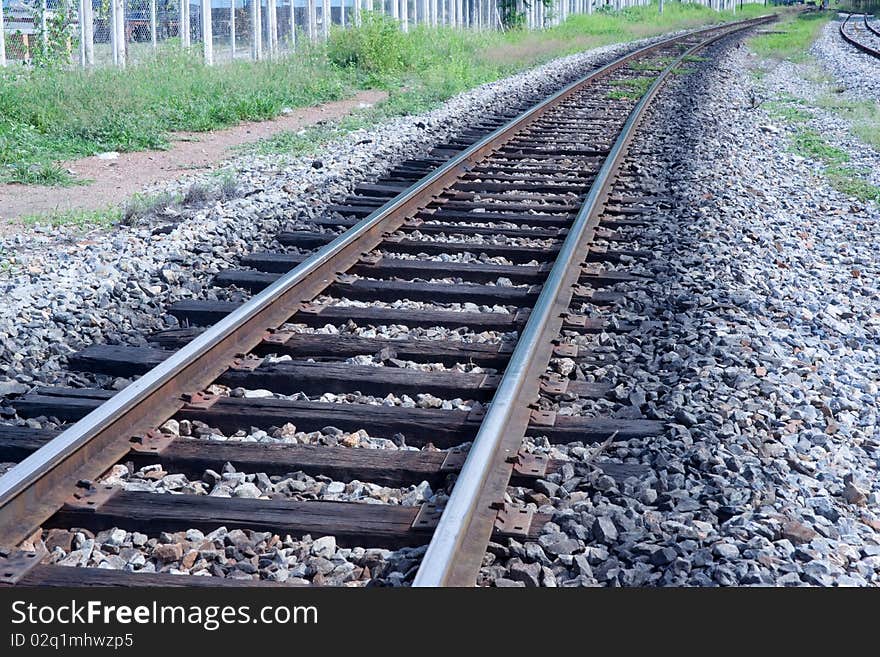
855	42
869	26
36	487
438	567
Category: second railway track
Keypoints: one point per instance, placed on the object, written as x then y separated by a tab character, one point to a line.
425	315
862	34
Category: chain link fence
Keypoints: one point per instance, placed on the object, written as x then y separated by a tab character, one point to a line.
92	33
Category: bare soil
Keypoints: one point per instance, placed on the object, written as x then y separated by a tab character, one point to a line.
116	180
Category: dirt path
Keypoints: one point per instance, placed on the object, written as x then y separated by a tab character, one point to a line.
117	179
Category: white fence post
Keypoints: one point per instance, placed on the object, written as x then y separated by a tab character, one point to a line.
2	38
154	34
232	29
404	15
272	27
87	33
356	8
44	35
256	30
82	43
326	18
207	33
183	24
114	35
292	25
311	20
341	13
120	29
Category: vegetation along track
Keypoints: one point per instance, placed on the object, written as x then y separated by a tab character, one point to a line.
527	195
861	34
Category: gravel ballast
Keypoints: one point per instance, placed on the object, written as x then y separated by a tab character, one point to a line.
757	346
858	71
65	290
756	342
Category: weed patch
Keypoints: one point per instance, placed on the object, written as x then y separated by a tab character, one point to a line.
791	37
84	219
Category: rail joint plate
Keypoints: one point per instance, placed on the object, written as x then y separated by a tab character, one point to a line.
245	363
582	292
542	418
530	465
427	517
565	350
91	498
15	564
371	258
199	401
454	460
278	337
514	521
477	413
152	442
553	384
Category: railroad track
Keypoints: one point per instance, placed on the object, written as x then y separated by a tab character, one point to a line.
861	34
320	346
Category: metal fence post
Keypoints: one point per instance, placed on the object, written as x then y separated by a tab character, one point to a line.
255	30
44	35
207	33
272	27
183	24
292	25
232	29
82	26
87	32
326	18
310	18
154	34
341	13
2	38
114	36
120	27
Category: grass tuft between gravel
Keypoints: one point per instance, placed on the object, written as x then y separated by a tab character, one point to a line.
798	33
791	37
75	218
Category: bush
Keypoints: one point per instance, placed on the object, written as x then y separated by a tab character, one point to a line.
376	47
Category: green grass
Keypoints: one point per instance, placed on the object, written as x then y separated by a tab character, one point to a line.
49	115
39	173
84	219
851	182
784	111
796	32
632	88
864	116
809	143
845	179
